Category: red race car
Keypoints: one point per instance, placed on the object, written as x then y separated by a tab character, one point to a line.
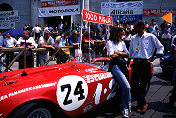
72	88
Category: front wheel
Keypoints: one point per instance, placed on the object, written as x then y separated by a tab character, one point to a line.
32	110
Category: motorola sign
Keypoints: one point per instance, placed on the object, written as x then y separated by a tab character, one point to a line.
59	11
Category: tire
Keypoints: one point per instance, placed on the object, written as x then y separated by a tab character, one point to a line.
31	110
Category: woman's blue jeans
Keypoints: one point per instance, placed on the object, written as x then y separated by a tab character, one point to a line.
125	87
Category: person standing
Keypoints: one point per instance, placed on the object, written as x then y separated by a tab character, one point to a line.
10	42
45	41
166	40
142	48
26	42
37	31
172	98
60	28
117	51
1	46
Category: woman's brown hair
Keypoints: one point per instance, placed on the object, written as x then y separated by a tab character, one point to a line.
114	34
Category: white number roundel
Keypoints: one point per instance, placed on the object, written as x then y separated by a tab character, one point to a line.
71	93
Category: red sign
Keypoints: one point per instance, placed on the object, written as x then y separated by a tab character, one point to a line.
158	12
96	18
59	3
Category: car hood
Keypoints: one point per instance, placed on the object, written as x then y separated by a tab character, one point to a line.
41	75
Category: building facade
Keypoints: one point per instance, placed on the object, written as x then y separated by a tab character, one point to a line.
21	12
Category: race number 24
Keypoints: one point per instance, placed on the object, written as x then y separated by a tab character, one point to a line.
71	93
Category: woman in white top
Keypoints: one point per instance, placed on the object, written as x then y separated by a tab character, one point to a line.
117	51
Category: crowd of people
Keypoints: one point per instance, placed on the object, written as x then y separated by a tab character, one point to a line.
133	40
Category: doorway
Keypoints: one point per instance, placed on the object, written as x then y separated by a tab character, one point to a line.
54	21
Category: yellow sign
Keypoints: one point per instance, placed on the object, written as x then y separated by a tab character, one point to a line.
168	17
66	50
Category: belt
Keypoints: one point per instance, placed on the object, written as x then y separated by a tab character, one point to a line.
140	59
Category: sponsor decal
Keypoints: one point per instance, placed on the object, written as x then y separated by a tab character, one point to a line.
96	18
92	70
26	90
97	77
59	11
8	13
71	92
63	10
100	90
121	12
59	3
87	108
158	12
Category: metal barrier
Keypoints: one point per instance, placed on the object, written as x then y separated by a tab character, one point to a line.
22	51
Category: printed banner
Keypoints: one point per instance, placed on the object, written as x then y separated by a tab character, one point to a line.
59	11
123	11
10	19
158	12
7	25
122	8
8	13
96	18
128	18
59	3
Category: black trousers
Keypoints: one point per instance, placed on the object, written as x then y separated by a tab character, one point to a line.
29	61
173	95
37	36
141	76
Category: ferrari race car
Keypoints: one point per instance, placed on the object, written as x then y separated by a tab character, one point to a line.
71	88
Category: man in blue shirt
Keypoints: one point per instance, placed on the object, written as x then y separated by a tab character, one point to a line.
74	40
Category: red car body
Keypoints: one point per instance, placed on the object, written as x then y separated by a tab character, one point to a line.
75	88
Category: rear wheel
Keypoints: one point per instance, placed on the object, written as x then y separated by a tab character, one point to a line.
32	110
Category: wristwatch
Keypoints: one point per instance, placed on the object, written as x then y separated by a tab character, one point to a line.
154	57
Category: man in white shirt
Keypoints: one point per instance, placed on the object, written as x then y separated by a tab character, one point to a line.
37	31
60	42
45	41
28	43
60	28
166	40
9	42
142	48
156	32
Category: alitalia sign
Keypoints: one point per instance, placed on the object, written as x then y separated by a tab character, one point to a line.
122	12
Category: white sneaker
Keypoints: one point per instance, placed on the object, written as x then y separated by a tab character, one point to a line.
125	113
129	107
